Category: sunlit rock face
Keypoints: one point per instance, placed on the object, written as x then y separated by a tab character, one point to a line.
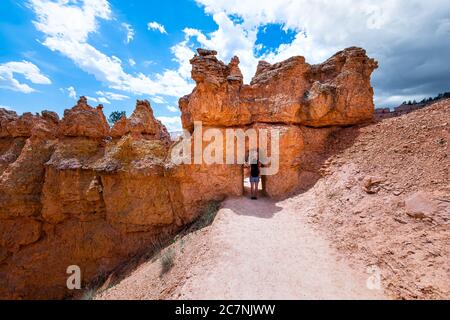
84	121
77	192
336	92
72	195
303	102
141	123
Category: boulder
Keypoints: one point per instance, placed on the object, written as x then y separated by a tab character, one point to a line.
421	205
22	126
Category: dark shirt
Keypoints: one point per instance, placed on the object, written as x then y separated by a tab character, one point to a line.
254	172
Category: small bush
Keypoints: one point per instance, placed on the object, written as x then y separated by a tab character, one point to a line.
89	295
167	262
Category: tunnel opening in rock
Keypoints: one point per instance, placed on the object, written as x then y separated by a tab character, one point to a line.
246	183
247	172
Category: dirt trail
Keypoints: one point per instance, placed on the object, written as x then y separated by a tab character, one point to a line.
253	250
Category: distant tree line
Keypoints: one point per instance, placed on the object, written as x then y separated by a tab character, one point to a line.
440	96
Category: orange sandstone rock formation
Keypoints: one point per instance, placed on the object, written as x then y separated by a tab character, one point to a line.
336	92
70	196
303	101
77	192
141	122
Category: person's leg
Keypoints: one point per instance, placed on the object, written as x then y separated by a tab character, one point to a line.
252	187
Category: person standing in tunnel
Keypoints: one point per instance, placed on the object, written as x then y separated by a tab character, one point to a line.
255	175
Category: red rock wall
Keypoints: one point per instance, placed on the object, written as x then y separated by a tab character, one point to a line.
75	192
335	93
304	102
72	196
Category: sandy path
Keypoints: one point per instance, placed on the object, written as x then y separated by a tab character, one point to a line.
254	250
264	250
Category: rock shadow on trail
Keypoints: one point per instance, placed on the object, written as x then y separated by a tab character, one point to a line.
262	208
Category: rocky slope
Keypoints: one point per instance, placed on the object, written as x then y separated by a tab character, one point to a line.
76	192
385	200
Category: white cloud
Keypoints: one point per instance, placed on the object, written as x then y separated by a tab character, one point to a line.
103	100
172	109
172	123
156	26
112	96
130	32
67	26
229	39
92	99
183	54
408	37
157	99
72	93
25	68
132	62
65	20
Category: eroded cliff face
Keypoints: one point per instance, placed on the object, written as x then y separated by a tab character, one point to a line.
305	103
334	93
77	192
71	195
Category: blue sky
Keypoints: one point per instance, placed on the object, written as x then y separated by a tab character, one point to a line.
148	52
114	52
